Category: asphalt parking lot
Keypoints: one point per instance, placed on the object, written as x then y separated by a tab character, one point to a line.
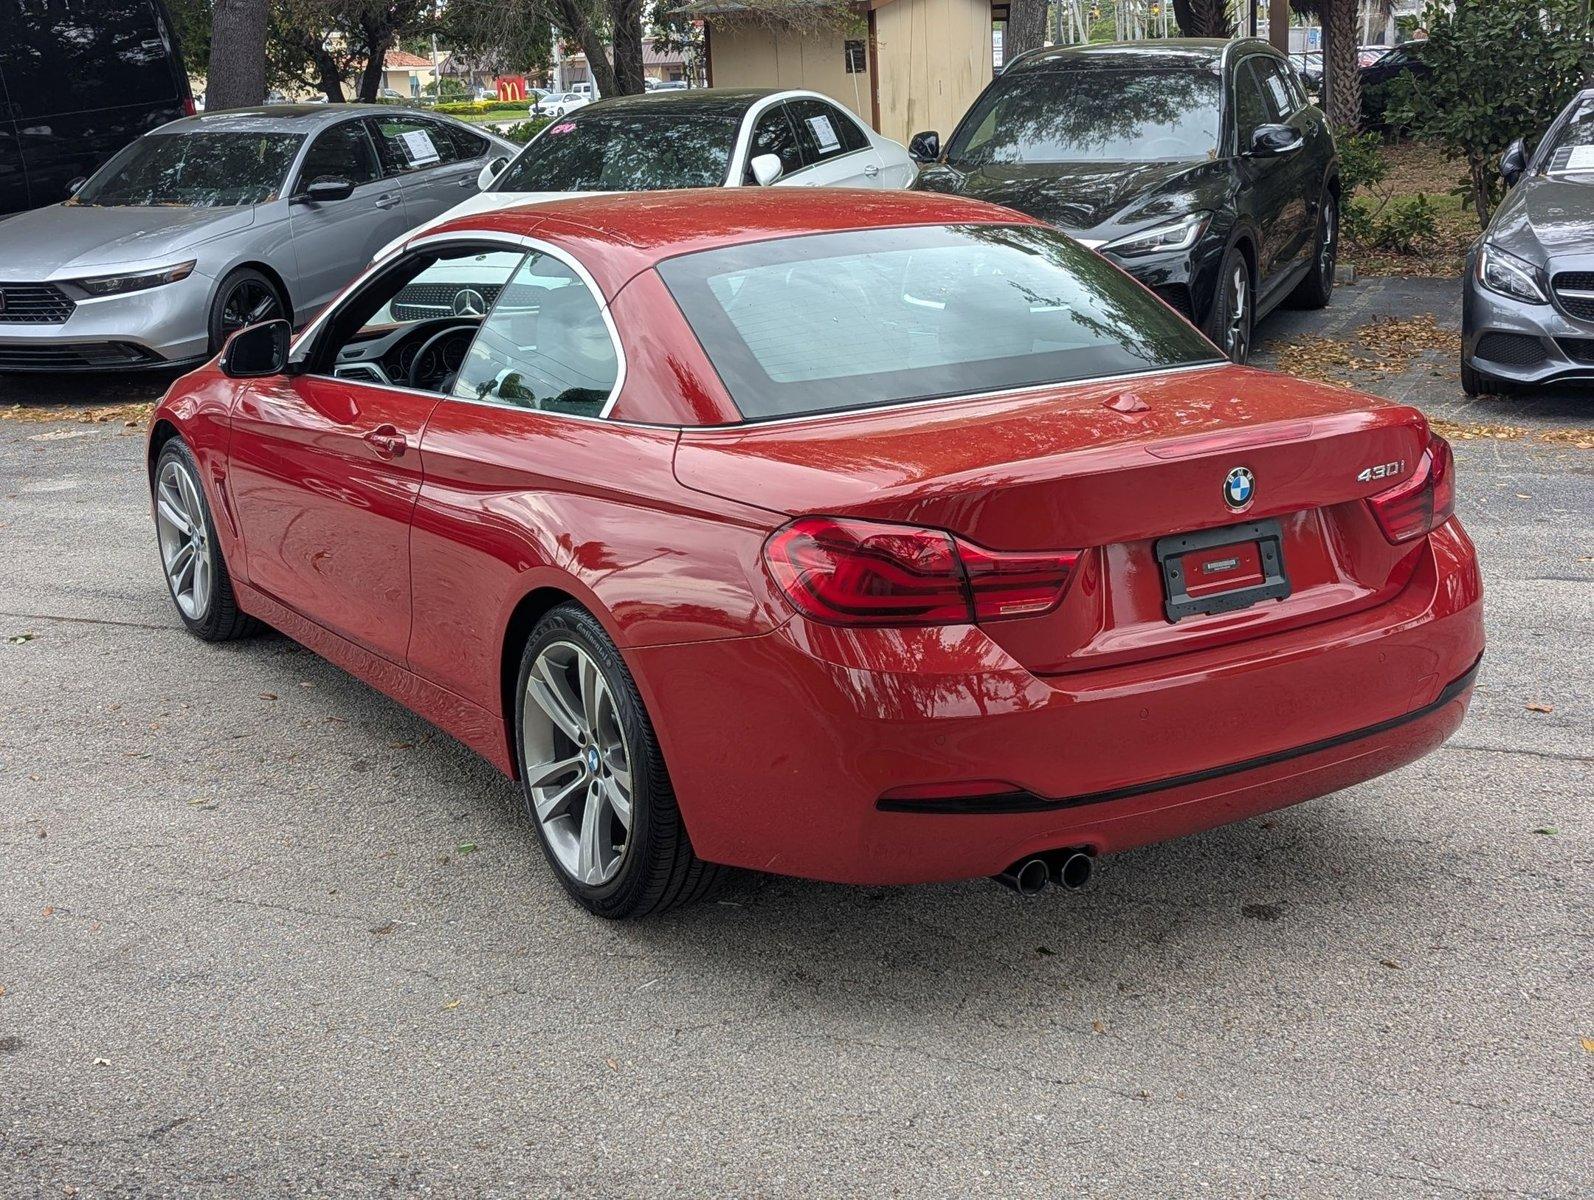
262	931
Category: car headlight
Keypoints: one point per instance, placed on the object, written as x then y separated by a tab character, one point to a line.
1175	235
1509	275
115	285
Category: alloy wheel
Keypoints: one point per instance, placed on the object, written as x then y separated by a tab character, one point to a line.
184	539
1237	336
577	763
249	303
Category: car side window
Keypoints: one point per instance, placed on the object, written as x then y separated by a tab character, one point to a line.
822	131
1276	93
544	345
342	152
774	135
1249	108
467	144
407	144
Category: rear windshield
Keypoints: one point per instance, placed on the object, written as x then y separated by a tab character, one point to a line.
194	170
851	320
1091	116
625	151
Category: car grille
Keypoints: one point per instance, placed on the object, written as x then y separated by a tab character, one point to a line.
1514	349
77	354
1578	306
33	304
422	300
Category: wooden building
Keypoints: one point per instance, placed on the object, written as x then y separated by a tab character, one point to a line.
901	65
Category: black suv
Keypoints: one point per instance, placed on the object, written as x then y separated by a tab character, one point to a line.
1198	166
80	79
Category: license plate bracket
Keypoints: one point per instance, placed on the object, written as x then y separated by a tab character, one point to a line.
1179	601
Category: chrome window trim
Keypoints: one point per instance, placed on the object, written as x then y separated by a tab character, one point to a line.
519	241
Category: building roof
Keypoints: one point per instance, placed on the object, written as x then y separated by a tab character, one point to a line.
399	59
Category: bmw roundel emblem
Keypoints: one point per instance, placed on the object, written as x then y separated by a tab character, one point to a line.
1238	487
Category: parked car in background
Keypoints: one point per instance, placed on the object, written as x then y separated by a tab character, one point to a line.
1527	314
1199	166
1382	77
1366	56
695	138
1309	65
218	221
878	543
82	80
557	104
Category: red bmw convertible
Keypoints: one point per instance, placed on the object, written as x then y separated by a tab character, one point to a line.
875	538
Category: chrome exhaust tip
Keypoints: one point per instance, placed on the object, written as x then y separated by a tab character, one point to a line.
1072	869
1027	877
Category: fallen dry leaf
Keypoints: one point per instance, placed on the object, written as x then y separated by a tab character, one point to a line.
611	1064
452	1004
1540	708
1466	431
1391	964
1588	1042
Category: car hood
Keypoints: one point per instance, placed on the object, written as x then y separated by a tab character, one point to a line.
66	241
1090	199
1555	215
481	202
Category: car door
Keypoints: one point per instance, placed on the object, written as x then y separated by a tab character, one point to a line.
325	466
421	156
836	151
1300	170
334	240
1266	182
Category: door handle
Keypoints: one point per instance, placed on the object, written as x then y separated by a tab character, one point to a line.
387	201
871	170
465	181
387	441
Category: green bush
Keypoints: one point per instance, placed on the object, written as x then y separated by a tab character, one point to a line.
525	130
465	108
1404	226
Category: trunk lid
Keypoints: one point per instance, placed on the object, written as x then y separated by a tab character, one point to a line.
1109	468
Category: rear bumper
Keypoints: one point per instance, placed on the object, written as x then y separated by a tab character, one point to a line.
782	746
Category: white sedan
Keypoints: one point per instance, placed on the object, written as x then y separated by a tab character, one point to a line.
558	104
700	137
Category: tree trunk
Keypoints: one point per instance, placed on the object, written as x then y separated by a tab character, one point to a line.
237	77
378	37
1026	28
575	25
626	16
1203	18
330	72
1342	79
1479	167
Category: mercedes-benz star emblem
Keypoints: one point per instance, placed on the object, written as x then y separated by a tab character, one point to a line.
1238	487
468	302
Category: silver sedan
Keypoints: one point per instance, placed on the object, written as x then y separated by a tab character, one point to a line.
218	221
1527	314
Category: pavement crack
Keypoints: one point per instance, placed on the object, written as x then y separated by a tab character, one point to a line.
1553	755
16	616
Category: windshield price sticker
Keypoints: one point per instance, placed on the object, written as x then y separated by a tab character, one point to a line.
825	132
558	129
418	145
1581	159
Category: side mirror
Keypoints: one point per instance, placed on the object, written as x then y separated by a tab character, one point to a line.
767	168
326	188
491	172
1514	162
257	351
76	185
1271	140
925	147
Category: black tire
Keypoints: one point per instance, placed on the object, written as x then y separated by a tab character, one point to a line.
218	618
658	869
245	297
1231	335
1317	288
1476	383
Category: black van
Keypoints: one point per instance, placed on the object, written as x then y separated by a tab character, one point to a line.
80	79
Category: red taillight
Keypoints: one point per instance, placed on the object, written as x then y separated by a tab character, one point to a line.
189	108
1425	501
846	572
